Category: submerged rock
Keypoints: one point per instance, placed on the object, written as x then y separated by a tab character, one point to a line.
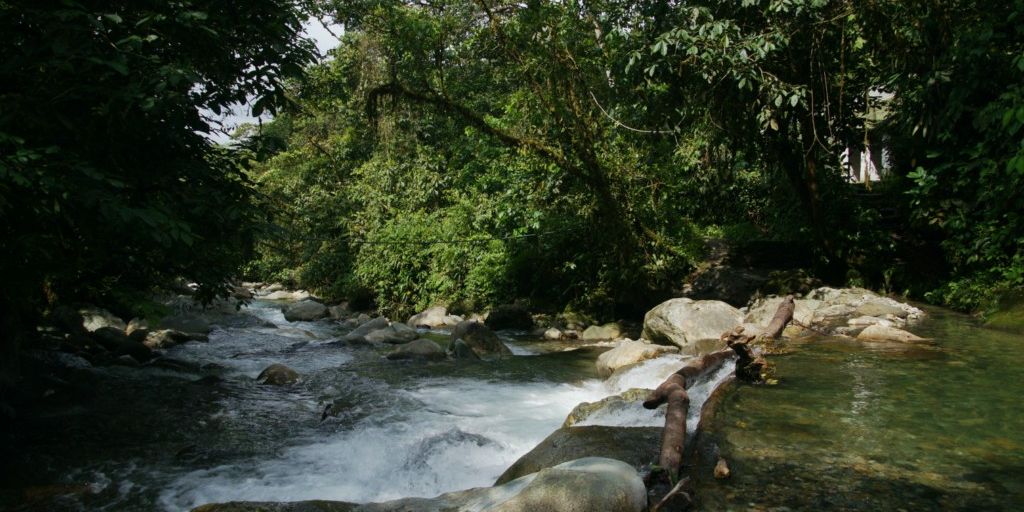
305	311
880	332
693	326
628	352
484	343
636	446
278	375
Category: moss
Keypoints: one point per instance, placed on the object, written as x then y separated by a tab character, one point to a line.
1009	316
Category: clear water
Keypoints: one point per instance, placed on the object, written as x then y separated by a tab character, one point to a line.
880	427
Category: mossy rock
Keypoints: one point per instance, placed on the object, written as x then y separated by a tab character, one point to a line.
613	403
1009	317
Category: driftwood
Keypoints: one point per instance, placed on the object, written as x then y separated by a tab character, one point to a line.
750	365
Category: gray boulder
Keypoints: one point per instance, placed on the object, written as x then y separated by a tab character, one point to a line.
167	338
418	349
394	334
436	316
484	343
879	332
612	410
629	352
278	375
359	333
693	326
609	331
458	349
305	311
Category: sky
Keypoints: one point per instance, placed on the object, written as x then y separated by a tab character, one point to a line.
240	114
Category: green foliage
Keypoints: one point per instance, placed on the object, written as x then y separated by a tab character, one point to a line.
107	182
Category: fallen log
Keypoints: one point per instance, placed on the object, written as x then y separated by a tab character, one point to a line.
750	366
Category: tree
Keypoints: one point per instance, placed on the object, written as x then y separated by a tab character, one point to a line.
108	184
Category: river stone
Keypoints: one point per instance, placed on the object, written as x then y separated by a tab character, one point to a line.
636	446
880	332
394	334
436	316
98	318
418	349
265	506
627	403
458	349
628	352
686	323
480	339
553	333
509	316
881	309
117	342
762	311
608	331
367	327
278	375
864	321
305	311
339	311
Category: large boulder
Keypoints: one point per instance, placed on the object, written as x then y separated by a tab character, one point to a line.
167	338
635	446
628	352
583	485
836	310
609	331
418	349
287	295
394	334
436	316
119	344
278	375
305	311
484	343
509	316
693	326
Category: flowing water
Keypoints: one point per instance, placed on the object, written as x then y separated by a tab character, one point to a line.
849	427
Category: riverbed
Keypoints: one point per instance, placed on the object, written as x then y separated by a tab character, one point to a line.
850	426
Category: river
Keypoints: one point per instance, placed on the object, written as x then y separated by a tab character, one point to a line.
848	427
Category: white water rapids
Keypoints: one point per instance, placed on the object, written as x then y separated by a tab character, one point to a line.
401	430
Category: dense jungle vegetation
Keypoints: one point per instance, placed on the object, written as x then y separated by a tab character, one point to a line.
474	152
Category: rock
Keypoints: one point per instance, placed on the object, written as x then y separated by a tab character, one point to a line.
693	326
278	375
880	332
117	342
138	324
480	339
628	352
305	311
271	288
636	446
510	316
582	485
167	338
286	295
458	349
436	316
725	283
619	405
609	331
98	318
722	469
762	311
127	360
881	309
359	333
552	333
241	293
418	349
339	311
864	321
394	334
